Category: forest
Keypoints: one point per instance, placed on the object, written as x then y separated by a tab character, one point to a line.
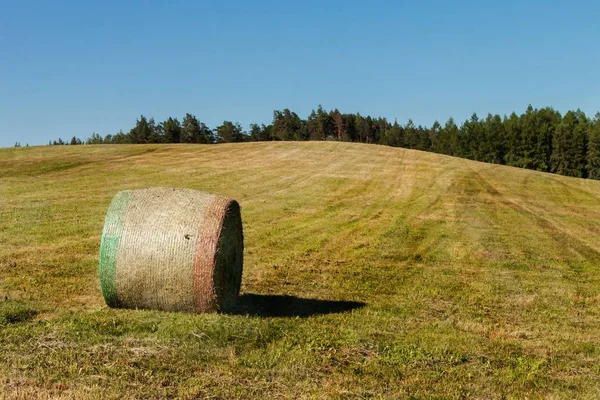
538	139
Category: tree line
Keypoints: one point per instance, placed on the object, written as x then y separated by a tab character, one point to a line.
538	139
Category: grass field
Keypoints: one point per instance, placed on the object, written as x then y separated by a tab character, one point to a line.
370	272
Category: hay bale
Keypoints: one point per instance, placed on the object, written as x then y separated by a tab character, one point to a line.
172	250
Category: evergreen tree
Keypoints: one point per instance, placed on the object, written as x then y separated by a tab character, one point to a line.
255	133
228	132
339	127
369	127
206	134
313	126
471	136
266	132
379	127
325	128
411	137
155	132
578	151
119	138
529	134
362	128
194	131
261	132
569	145
393	136
171	130
144	131
493	149
546	121
190	129
434	136
350	131
561	143
287	125
424	139
95	139
449	138
512	130
593	150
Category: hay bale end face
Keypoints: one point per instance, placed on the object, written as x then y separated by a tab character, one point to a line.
171	249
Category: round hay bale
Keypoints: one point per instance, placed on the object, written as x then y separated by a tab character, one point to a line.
171	249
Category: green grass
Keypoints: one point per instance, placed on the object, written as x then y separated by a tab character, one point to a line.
477	280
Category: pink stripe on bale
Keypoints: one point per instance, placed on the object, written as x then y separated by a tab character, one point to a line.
206	254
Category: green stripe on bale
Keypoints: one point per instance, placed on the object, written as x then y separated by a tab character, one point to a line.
173	252
109	247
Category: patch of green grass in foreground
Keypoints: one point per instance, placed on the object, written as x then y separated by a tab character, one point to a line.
476	280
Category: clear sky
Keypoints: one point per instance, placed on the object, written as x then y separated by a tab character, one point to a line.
71	68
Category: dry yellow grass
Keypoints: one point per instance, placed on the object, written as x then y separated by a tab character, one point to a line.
477	280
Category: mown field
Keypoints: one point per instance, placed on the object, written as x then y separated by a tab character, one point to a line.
370	272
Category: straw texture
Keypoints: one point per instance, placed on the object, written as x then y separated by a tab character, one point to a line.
172	250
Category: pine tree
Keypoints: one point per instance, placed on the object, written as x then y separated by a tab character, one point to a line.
95	139
434	136
229	132
144	131
449	138
380	126
593	150
255	133
493	148
423	139
370	129
528	138
312	124
171	129
512	131
578	150
362	128
349	124
287	125
470	138
411	137
393	135
566	146
325	128
119	138
339	127
194	131
546	121
206	134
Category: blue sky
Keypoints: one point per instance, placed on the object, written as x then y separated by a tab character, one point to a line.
71	68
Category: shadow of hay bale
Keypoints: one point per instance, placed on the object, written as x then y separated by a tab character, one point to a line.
262	305
14	312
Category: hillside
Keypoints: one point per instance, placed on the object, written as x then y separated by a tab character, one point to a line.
369	271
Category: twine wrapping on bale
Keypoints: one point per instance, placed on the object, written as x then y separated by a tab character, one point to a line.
172	250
